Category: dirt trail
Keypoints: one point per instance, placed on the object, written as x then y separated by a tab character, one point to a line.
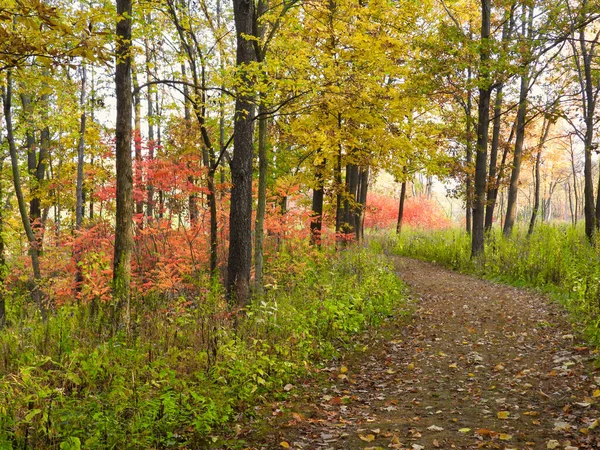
480	365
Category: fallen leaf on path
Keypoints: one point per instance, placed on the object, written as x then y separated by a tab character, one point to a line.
552	444
505	437
435	428
464	430
367	437
284	444
503	415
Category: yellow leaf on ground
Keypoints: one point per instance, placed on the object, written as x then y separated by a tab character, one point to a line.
464	430
503	415
505	437
284	444
367	437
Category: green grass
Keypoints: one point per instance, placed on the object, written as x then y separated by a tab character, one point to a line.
185	370
556	259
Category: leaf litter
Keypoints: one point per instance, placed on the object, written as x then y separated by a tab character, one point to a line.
479	366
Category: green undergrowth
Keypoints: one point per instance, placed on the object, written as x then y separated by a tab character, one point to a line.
186	369
556	258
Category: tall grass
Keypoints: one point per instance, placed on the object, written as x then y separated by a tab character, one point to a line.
556	258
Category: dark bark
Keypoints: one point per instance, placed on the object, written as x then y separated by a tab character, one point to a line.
36	292
401	208
263	171
124	213
79	203
361	203
137	137
239	261
316	223
513	188
469	160
492	178
478	235
348	226
491	199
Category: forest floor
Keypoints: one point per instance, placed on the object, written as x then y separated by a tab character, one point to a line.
478	365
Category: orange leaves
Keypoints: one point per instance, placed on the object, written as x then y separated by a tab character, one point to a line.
382	212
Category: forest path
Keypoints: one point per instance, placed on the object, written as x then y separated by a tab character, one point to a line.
479	365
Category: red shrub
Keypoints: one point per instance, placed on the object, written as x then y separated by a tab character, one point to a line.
382	212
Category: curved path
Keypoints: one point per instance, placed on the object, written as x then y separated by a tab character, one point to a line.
480	365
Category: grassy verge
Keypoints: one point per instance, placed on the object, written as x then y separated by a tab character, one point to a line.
184	370
555	258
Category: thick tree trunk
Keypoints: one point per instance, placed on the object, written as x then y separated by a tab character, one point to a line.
240	216
478	235
151	143
124	214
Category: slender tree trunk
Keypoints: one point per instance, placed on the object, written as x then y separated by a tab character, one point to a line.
513	189
469	145
316	223
401	207
151	143
263	172
240	215
361	203
491	200
3	267
137	139
339	187
36	292
79	202
492	189
124	214
545	131
478	235
536	202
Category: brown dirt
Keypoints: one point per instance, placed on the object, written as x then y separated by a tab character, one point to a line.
479	365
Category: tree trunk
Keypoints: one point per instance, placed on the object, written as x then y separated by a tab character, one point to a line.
137	139
492	189
491	200
240	215
401	207
513	189
316	223
469	160
536	202
477	241
79	189
151	143
124	214
3	268
36	292
361	203
263	172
